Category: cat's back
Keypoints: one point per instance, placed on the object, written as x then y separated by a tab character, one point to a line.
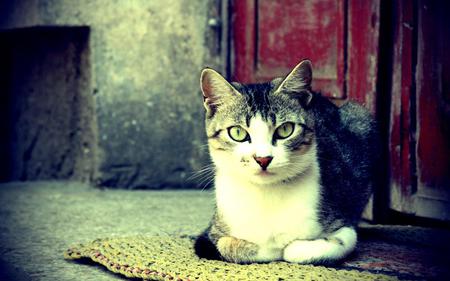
349	138
360	131
351	124
357	120
347	154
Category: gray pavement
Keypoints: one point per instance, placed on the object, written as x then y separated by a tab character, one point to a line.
39	220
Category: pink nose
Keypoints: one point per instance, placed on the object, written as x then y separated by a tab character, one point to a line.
263	161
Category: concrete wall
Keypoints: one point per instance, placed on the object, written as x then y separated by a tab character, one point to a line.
145	60
49	129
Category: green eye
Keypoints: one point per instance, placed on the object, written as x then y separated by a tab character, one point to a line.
238	133
284	131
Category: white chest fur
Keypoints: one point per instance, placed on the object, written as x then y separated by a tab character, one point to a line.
270	216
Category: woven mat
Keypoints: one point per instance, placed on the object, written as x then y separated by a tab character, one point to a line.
384	253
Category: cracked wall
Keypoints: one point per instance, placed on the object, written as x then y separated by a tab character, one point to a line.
48	115
145	59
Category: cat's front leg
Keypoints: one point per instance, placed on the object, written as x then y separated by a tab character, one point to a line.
326	250
241	251
237	250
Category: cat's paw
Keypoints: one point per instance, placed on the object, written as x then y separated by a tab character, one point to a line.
266	254
237	250
305	251
325	250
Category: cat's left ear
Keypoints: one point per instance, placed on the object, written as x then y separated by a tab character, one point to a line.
215	89
298	82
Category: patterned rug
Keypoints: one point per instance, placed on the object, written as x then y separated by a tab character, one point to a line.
383	253
402	251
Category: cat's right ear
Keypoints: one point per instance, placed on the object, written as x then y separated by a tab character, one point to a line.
214	88
298	82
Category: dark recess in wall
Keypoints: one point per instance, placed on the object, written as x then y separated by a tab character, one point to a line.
48	128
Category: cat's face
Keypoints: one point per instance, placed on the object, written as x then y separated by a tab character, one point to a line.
260	132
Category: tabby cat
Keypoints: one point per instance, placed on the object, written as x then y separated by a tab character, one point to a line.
293	172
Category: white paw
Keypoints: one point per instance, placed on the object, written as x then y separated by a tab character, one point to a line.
305	251
333	248
266	254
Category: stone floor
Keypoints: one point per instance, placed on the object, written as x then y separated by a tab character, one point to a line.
39	220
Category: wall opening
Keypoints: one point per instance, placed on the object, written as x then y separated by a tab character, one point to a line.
46	105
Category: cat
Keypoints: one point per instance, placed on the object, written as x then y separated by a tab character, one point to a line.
293	172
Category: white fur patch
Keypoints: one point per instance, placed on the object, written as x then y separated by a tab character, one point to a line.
261	134
338	245
271	215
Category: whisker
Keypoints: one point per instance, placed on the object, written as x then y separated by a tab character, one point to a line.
203	146
207	183
204	171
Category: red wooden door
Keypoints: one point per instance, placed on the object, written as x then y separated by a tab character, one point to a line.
420	110
339	37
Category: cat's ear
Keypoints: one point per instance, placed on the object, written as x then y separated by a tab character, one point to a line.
214	88
298	82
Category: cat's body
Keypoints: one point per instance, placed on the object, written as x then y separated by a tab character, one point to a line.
293	171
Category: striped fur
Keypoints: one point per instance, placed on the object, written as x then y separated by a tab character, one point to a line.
304	206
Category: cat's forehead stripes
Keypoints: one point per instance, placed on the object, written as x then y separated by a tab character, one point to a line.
257	100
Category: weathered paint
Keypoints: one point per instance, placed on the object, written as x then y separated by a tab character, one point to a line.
433	128
340	37
419	131
243	30
363	36
402	85
271	37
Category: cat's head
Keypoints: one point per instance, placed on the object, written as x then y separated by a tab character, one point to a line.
260	132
